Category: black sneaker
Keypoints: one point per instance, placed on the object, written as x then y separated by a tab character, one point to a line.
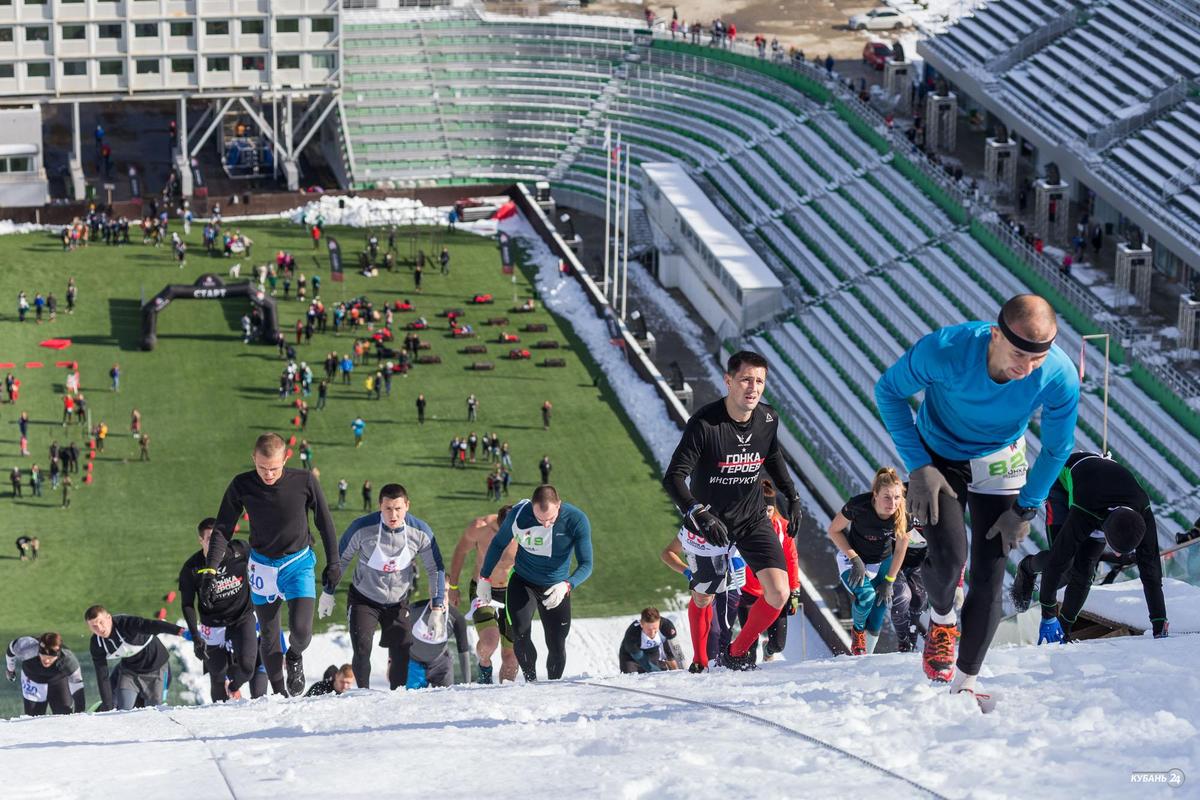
485	674
295	674
696	668
1021	592
742	663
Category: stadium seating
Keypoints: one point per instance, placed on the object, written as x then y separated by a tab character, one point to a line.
1161	159
877	263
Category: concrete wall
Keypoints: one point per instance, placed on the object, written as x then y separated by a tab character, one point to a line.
21	128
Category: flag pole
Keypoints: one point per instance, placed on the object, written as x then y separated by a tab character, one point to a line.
607	199
625	226
616	243
1082	358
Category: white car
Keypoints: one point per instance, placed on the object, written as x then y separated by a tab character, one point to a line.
880	19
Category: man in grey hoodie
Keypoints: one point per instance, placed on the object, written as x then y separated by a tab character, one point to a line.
386	542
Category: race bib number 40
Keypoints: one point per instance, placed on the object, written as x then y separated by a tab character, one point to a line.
264	579
1001	472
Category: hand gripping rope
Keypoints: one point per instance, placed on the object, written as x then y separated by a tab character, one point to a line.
764	721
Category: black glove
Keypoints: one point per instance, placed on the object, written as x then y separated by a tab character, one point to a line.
795	515
708	525
331	575
883	593
793	603
1187	536
1160	628
858	573
207	586
198	648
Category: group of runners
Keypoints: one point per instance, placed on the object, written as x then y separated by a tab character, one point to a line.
964	451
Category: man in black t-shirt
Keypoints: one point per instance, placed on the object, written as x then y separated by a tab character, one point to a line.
226	637
132	642
1095	502
724	450
282	563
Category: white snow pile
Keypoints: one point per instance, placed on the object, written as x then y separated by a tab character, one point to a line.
8	227
1085	719
363	212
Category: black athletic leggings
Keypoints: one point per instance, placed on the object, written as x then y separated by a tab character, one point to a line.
393	619
239	665
300	622
983	609
908	601
523	599
59	699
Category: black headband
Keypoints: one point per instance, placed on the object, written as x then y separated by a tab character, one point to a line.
1019	342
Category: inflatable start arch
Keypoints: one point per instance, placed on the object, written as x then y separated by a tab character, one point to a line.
208	287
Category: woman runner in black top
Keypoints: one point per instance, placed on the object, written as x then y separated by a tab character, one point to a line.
49	673
226	638
724	450
871	534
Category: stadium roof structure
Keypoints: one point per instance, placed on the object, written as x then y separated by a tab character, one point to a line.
737	257
1100	87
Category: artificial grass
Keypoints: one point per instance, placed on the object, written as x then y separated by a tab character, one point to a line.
204	397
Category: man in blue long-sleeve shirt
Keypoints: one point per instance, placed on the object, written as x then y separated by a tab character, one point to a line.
982	382
547	532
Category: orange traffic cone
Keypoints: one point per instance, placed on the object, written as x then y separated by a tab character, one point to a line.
171	596
162	613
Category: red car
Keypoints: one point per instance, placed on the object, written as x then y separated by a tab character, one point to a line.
876	54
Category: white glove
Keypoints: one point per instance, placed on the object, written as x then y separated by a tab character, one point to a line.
556	594
483	590
959	597
325	606
437	623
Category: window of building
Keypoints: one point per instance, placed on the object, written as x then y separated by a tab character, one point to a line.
217	27
38	69
37	33
147	66
287	25
16	164
73	32
145	30
252	26
109	31
7	71
112	67
181	29
287	62
6	34
322	24
74	68
217	64
182	65
35	2
254	62
322	60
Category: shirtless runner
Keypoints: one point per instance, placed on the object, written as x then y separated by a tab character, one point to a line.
491	622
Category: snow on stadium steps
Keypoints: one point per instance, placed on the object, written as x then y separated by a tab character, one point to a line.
1078	719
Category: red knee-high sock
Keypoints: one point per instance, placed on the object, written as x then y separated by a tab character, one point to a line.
762	614
700	620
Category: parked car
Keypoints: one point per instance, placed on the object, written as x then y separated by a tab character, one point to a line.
876	54
880	19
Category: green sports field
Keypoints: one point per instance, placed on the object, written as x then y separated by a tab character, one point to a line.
204	396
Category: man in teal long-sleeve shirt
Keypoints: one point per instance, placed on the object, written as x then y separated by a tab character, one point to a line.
547	531
982	382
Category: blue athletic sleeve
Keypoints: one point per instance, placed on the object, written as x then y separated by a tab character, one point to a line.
499	542
920	367
583	552
1059	414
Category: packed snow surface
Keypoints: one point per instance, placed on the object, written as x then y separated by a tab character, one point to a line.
1075	718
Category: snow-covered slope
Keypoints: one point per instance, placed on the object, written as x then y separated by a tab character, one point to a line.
1078	718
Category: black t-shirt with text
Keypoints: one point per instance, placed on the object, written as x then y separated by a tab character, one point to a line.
725	461
231	592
